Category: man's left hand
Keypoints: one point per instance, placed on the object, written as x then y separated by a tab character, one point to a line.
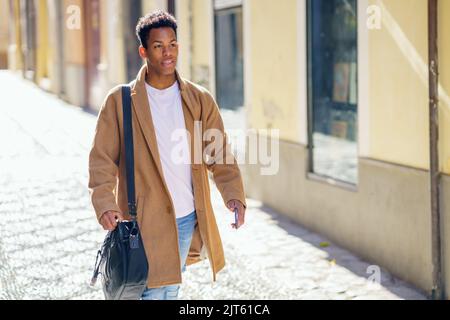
236	204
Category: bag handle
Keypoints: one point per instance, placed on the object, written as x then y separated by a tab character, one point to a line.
129	149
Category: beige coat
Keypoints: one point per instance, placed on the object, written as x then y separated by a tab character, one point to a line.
156	216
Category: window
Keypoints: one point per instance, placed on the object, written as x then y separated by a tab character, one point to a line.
229	57
171	7
332	88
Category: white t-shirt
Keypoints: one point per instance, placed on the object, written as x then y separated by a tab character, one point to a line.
173	146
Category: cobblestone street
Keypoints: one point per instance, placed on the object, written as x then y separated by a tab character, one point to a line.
49	235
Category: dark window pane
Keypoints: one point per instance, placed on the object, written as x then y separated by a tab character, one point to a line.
171	7
332	87
229	58
131	16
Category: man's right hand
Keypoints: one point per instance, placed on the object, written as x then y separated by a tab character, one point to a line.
109	220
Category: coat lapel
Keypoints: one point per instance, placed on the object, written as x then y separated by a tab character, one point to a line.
193	124
143	114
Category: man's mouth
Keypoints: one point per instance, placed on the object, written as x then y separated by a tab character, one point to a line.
168	63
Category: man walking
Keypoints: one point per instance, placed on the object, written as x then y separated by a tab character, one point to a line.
174	210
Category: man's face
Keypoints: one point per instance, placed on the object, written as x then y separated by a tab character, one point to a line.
162	51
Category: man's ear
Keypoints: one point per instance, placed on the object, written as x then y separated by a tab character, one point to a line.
143	52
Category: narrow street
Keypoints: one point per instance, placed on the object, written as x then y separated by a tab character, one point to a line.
49	235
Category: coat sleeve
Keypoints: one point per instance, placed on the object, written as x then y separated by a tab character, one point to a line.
104	159
220	159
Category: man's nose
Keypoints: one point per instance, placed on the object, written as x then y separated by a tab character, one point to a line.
166	52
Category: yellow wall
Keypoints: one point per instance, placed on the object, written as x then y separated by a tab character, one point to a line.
398	84
195	35
398	78
184	38
74	38
4	14
202	31
15	57
202	42
43	51
151	5
274	59
444	69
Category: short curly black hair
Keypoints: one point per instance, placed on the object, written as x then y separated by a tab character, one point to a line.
156	19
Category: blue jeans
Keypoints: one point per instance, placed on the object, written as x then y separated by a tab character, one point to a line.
186	227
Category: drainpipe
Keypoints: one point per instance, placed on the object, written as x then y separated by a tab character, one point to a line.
433	73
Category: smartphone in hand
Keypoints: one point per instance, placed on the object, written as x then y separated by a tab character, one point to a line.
236	218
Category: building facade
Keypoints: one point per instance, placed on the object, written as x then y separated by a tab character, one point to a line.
350	96
4	36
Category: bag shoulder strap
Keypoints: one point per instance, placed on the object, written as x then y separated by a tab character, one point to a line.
129	149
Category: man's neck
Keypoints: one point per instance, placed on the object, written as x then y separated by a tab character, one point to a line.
160	82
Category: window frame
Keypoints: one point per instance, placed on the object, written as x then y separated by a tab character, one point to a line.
311	174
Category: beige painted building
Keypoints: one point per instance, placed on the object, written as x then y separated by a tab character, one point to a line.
384	215
4	34
15	58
